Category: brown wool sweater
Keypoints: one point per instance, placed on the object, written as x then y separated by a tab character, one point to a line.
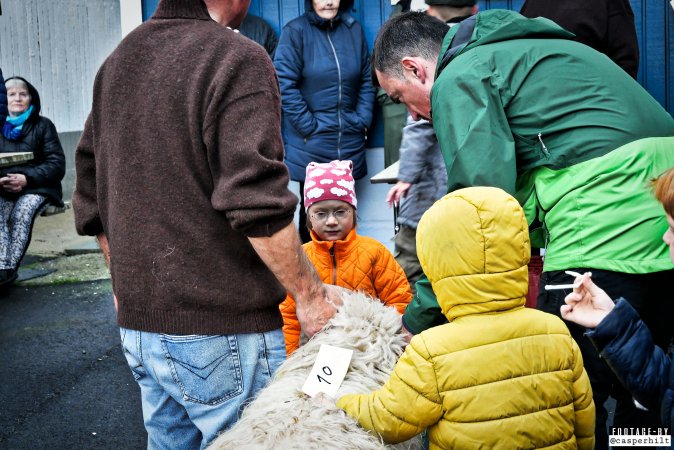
180	160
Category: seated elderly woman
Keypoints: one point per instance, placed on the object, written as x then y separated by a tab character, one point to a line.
26	188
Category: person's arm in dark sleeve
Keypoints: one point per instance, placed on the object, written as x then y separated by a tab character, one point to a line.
270	42
3	101
289	64
626	343
621	36
366	96
242	135
85	203
417	145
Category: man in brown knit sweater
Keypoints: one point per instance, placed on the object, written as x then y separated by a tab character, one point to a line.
180	170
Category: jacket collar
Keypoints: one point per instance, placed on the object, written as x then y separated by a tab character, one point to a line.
343	246
181	9
319	22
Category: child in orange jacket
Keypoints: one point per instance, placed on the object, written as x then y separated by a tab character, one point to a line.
340	256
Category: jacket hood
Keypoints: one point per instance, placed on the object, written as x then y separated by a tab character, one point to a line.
34	97
345	7
495	26
473	244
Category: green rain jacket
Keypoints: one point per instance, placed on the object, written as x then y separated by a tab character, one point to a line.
518	105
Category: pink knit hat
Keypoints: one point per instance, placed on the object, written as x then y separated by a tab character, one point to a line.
329	181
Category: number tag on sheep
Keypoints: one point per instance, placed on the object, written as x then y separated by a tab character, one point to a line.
328	371
284	417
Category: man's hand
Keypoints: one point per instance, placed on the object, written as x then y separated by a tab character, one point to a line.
284	256
397	192
105	249
588	304
314	314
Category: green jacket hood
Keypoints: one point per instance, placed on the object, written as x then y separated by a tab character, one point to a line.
495	26
473	244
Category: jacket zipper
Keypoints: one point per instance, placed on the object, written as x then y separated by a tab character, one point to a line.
545	149
339	100
334	265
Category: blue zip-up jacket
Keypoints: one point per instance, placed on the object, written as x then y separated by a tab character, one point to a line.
626	344
327	95
3	101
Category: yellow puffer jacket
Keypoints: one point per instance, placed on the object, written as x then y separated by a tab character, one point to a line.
498	375
358	263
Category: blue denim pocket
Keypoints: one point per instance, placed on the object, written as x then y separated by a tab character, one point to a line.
207	368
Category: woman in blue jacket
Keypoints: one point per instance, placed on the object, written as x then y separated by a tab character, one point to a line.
322	61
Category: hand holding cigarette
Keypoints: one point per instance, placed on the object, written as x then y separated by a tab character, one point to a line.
588	304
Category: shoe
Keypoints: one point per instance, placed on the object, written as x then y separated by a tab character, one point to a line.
8	276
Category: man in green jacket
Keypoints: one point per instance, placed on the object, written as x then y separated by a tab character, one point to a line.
517	104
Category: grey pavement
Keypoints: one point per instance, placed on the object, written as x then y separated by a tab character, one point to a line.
65	383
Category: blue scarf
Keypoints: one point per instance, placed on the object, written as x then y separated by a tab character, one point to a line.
13	126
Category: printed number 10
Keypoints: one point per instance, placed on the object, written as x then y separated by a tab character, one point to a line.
326	371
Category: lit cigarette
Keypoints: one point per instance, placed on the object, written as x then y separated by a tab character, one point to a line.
576	274
552	287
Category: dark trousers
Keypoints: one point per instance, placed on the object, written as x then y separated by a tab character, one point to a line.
644	293
405	253
305	236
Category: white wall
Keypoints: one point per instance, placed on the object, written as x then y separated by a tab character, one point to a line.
131	15
58	45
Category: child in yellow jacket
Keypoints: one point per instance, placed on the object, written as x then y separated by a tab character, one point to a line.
498	375
342	257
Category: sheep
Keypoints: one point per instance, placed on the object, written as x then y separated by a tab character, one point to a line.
283	417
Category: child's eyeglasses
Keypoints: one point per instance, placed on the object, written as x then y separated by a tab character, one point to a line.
339	214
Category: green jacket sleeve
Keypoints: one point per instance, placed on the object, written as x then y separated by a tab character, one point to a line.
423	312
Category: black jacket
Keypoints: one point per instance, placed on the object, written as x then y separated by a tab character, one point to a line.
3	101
45	172
257	29
605	25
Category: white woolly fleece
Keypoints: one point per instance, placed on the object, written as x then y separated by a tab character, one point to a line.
283	417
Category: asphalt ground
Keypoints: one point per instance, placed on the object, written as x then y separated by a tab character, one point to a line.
64	382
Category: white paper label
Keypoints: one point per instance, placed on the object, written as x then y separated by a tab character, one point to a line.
329	371
420	5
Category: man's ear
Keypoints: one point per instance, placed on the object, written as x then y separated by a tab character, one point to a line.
415	68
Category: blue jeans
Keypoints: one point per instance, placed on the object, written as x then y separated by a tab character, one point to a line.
193	387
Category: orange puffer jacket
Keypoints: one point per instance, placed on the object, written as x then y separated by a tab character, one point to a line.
358	263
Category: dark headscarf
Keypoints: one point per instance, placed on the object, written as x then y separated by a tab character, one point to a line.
345	6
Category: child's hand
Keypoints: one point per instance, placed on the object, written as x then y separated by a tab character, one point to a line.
588	304
406	333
